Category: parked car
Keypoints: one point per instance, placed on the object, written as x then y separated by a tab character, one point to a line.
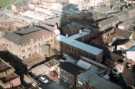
44	79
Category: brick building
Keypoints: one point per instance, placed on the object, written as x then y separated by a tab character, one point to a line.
27	42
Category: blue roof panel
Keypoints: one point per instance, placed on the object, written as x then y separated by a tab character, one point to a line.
131	49
82	46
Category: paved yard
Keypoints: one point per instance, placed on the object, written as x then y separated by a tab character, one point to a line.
41	69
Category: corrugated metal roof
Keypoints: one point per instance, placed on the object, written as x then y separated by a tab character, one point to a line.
82	46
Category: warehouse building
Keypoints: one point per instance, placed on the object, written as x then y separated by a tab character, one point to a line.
78	48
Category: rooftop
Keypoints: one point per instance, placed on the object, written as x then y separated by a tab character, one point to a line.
71	68
82	46
131	49
27	38
27	30
10	77
107	23
4	66
11	24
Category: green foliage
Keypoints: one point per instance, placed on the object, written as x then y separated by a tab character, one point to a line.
5	3
8	3
19	2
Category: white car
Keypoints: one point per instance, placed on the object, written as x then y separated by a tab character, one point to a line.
44	79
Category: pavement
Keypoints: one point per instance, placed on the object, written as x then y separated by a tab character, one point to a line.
41	69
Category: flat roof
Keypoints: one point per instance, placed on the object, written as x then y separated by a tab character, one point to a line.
28	30
107	23
26	38
80	45
71	68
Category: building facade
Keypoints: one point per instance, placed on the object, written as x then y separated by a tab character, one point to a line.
25	45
